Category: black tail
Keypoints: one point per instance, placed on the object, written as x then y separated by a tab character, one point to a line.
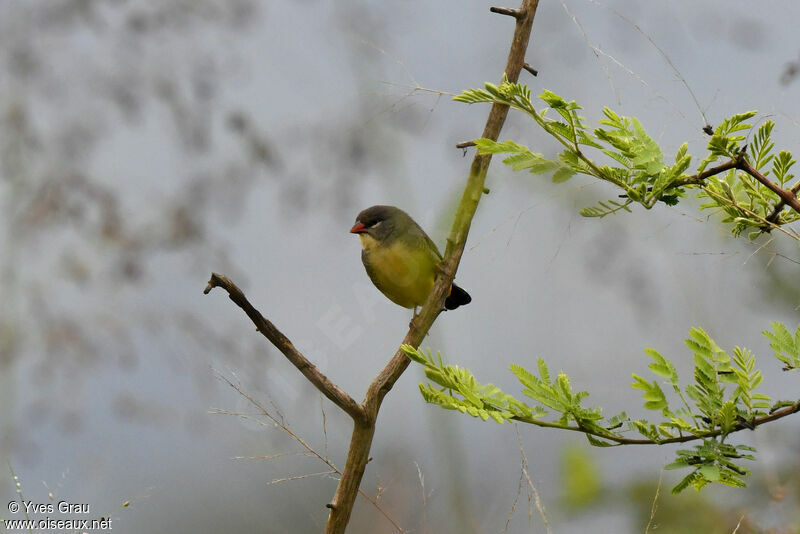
457	297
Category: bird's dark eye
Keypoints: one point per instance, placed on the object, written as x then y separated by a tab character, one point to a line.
375	224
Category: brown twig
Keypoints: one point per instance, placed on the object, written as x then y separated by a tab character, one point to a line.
699	178
773	217
516	13
619	440
465	144
282	343
788	197
530	69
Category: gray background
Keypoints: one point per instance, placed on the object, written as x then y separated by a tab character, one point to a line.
146	144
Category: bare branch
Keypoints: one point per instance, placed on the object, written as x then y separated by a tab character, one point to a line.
282	343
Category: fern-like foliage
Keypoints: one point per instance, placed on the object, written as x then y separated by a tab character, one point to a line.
745	201
720	400
619	151
786	347
456	389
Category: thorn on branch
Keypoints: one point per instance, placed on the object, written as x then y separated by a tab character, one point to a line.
776	211
465	144
745	423
530	69
516	13
331	506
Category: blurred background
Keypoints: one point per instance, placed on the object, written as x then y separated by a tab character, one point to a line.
145	144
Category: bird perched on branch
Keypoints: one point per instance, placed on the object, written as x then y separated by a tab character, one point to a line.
400	258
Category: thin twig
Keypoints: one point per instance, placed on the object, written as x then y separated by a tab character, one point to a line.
264	456
516	500
594	49
530	69
516	13
424	499
415	88
311	451
620	440
324	425
699	178
18	487
531	488
282	343
300	477
663	55
751	213
787	196
654	507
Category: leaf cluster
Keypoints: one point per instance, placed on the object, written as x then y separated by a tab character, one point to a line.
785	346
745	201
619	151
721	399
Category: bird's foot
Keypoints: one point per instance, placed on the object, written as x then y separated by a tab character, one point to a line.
413	318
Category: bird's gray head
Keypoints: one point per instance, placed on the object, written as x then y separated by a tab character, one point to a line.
379	222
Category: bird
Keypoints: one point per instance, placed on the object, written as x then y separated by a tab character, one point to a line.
400	258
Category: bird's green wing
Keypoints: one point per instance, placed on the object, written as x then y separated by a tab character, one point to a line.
420	239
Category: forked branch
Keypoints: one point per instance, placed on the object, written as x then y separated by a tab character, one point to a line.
364	415
336	394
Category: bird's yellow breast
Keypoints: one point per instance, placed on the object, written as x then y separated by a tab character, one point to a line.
404	274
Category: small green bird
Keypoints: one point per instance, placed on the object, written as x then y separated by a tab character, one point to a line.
400	258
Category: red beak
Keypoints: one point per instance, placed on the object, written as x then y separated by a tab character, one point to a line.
358	228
